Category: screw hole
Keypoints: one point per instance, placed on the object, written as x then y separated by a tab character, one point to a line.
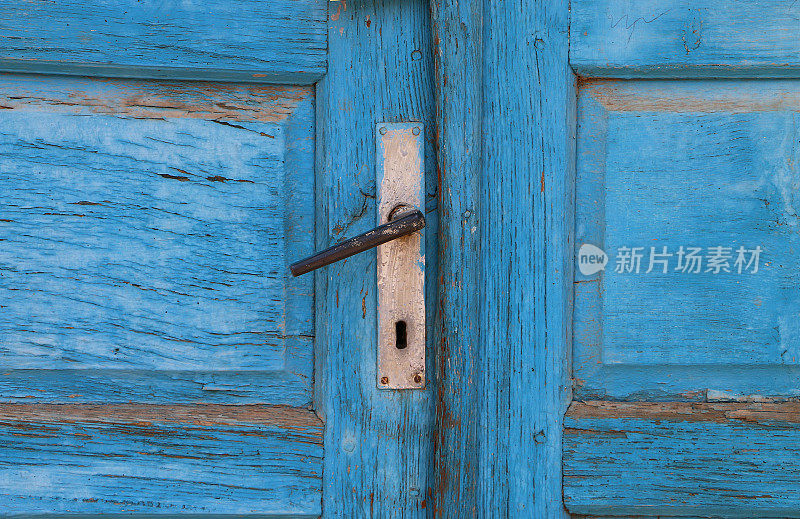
400	334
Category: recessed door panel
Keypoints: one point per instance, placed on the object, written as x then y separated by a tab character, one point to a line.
689	187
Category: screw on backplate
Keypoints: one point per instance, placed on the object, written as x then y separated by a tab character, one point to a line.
383	130
415	131
384	380
418	378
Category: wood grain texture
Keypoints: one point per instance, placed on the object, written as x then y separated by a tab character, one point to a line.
682	459
505	112
526	256
692	164
160	460
685	38
378	443
526	244
146	230
276	41
458	36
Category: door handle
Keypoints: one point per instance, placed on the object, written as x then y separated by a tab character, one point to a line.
405	223
400	265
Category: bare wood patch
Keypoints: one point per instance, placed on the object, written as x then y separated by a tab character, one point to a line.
198	414
718	412
688	96
154	100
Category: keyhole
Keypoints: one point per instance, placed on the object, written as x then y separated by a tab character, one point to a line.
401	340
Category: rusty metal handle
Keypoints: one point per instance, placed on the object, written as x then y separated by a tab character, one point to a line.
403	225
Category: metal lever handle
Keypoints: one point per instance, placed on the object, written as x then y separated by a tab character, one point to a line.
403	225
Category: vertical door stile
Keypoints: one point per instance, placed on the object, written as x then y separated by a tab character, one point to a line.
458	35
378	442
505	127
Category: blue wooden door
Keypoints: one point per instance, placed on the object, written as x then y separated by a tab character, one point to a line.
157	357
161	165
687	296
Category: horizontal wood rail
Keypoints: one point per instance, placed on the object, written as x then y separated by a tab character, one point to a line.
685	38
63	458
280	41
731	459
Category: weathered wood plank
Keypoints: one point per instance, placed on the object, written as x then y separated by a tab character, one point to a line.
685	38
146	229
136	385
458	35
505	116
160	459
378	443
732	183
526	226
275	41
682	459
